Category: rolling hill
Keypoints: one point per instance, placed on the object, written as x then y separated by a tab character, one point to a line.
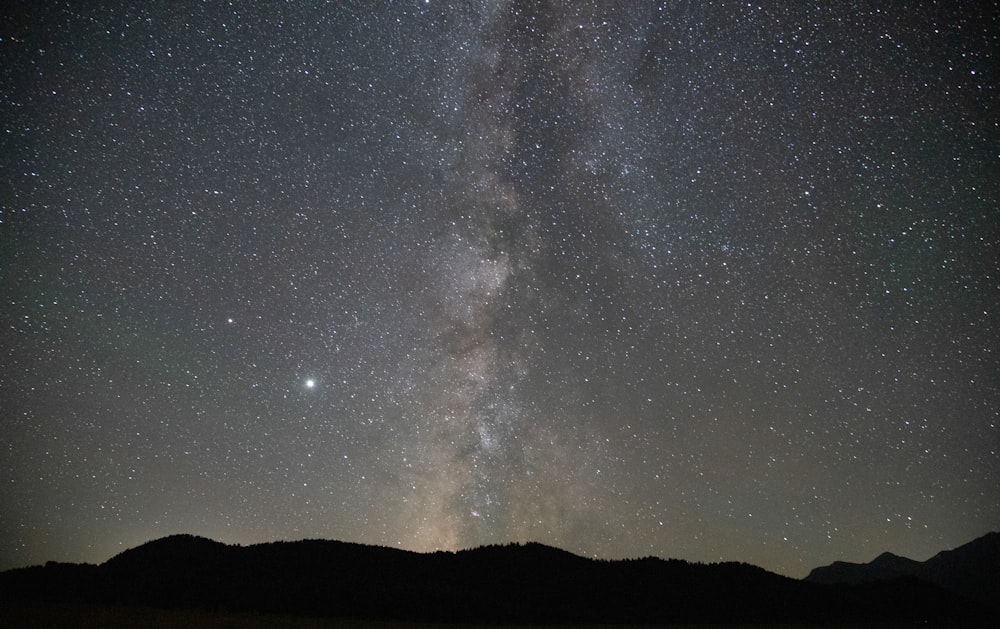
516	583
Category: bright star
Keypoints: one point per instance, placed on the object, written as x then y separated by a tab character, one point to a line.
310	383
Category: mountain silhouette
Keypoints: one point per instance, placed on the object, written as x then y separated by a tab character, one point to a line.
514	583
972	570
885	566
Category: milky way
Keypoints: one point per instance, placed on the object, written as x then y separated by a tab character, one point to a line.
716	281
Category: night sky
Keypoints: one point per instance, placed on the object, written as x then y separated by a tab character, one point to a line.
705	280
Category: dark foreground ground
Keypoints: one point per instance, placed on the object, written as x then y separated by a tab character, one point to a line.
85	616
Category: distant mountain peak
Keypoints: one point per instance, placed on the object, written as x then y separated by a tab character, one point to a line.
969	570
888	556
893	562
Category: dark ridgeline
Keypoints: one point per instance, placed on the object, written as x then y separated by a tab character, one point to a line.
972	570
513	583
885	566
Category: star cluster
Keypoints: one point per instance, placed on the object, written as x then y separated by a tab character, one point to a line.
709	280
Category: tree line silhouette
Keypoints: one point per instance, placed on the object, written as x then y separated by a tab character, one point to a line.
520	583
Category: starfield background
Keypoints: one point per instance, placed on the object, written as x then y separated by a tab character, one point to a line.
706	280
